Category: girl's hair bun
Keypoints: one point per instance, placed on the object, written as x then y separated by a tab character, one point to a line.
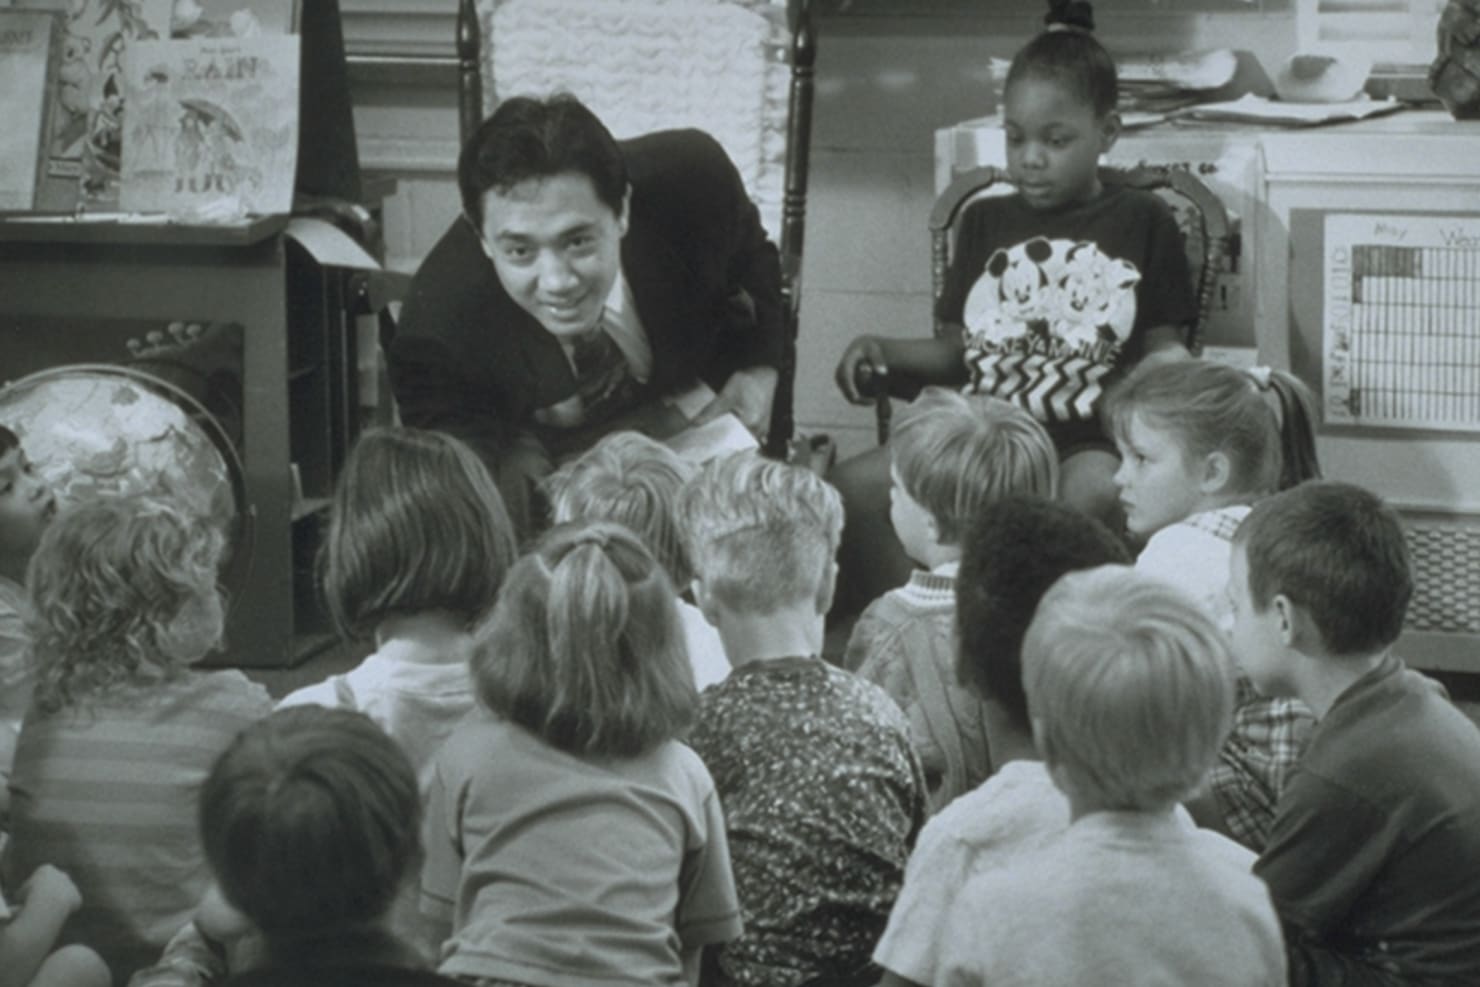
1070	15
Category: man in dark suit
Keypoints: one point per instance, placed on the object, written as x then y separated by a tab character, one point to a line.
585	282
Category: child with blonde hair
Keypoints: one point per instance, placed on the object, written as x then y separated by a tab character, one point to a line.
952	456
122	731
1130	693
417	547
1372	857
570	838
1200	442
822	792
634	480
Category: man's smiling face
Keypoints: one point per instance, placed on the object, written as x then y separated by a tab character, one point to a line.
556	247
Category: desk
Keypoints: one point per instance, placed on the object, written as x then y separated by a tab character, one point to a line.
297	367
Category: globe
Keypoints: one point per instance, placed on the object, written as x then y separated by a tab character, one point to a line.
97	430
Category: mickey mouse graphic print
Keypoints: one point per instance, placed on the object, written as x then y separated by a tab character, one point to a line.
1055	303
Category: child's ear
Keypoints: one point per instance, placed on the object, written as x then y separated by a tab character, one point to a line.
1297	631
219	920
1292	623
828	588
1216	472
704	601
1109	131
1061	777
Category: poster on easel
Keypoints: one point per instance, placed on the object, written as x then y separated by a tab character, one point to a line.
212	121
1401	321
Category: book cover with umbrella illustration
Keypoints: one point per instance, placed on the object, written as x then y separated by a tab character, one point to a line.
212	122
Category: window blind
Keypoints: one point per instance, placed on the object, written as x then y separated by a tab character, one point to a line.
393	28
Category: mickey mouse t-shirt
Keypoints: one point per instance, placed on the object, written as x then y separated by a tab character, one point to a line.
1056	302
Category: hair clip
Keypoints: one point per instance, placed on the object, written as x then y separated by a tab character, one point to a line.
1262	378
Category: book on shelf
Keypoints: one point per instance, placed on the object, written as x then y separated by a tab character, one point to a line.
87	117
211	120
30	56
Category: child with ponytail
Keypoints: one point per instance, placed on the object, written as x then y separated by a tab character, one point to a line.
1199	443
570	838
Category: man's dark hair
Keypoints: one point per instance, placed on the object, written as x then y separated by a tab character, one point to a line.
1336	551
1012	553
526	138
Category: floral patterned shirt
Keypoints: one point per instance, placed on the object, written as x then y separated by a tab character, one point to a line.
823	797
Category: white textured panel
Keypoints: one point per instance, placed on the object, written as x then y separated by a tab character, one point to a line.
645	65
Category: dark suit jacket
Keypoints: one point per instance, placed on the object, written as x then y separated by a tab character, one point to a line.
468	360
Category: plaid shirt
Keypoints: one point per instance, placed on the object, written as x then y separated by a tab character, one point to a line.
1257	760
1268	735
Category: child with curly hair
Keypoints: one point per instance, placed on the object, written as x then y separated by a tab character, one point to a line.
122	731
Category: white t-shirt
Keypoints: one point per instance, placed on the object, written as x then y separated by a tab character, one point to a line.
417	702
1117	898
1194	554
1015	808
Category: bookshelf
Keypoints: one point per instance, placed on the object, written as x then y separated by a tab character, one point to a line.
298	401
90	290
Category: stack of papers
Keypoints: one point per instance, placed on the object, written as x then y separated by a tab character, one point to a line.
1257	109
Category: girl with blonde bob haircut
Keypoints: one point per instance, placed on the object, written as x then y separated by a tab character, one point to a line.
123	731
1130	689
633	480
636	481
570	837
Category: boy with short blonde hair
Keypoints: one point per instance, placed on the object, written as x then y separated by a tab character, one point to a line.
822	794
1375	847
952	455
1130	693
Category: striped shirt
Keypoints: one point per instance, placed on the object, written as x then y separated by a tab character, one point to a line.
107	792
905	642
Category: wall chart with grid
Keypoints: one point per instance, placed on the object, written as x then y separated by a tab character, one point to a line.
1401	339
